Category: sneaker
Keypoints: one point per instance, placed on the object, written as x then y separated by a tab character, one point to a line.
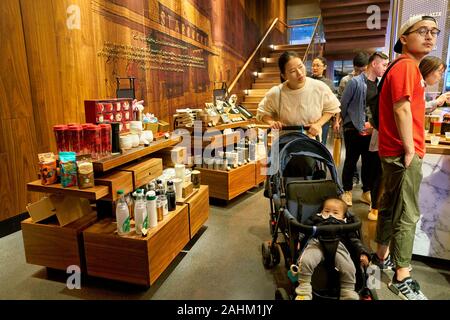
407	289
366	198
385	264
373	215
347	197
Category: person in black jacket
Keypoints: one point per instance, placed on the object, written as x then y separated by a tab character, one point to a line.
334	212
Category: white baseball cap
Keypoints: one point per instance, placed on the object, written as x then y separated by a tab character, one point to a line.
405	27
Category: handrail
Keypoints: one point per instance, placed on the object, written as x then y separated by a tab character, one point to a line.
283	23
252	55
312	38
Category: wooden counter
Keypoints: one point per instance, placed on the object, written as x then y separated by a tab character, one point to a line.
133	258
439	149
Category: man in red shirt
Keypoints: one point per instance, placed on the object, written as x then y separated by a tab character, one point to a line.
401	149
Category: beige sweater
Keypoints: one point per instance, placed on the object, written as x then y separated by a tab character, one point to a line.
301	106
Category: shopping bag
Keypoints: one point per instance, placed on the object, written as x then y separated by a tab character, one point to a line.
337	144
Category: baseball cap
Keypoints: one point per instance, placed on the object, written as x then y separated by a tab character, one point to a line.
405	27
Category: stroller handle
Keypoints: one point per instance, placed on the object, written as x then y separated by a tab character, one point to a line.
292	128
322	230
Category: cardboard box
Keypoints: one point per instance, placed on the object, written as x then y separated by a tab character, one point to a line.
67	209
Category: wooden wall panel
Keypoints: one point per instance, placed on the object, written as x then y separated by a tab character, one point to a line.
17	128
48	69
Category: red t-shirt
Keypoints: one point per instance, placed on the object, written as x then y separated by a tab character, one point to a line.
404	80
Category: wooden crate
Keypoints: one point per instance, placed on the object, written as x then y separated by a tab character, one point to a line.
228	184
132	258
47	244
198	210
145	171
116	181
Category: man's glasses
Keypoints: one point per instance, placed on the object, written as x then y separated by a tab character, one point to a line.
424	31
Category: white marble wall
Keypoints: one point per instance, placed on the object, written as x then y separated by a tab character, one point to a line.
433	229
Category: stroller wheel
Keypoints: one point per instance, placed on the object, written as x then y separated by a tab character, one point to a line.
266	255
270	254
281	294
275	251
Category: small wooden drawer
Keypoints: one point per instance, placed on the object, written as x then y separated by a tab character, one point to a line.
116	181
47	244
229	184
132	258
198	209
145	171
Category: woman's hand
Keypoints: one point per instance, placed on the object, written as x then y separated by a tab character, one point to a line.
275	124
314	129
443	98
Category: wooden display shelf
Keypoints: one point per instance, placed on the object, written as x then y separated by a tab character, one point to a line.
214	141
115	161
133	258
224	126
50	245
184	200
94	193
198	209
227	185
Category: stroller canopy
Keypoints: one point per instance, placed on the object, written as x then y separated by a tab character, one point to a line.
296	144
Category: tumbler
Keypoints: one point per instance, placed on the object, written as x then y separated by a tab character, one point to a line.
60	134
94	142
76	139
105	133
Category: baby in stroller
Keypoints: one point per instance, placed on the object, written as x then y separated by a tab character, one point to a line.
337	253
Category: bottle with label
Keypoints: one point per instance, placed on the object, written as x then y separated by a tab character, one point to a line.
140	212
151	209
122	215
171	199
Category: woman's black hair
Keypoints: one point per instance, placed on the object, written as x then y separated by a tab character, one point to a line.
283	60
430	64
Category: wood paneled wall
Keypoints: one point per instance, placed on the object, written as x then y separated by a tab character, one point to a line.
49	68
17	121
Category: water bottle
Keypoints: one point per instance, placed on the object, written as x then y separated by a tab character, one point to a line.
140	212
122	215
151	209
159	205
171	198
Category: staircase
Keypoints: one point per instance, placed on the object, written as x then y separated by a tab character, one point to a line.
345	27
269	76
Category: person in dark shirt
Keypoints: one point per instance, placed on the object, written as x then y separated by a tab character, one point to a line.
334	212
359	93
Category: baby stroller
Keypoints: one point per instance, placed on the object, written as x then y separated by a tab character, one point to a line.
306	176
